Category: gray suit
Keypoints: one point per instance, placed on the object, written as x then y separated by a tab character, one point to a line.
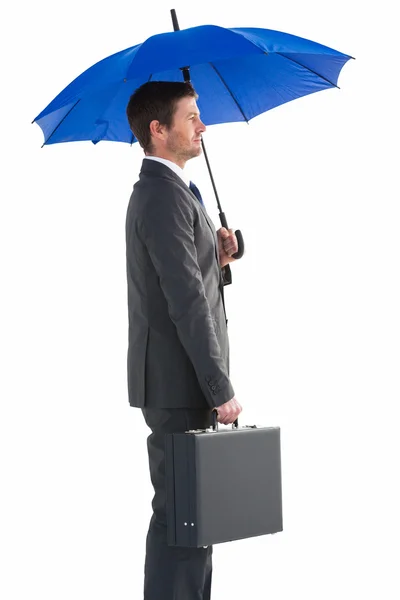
178	352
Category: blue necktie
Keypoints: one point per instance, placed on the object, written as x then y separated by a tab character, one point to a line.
196	192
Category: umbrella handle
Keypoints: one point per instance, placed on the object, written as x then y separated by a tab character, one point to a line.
238	234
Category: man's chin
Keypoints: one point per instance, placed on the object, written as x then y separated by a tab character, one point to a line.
192	153
196	152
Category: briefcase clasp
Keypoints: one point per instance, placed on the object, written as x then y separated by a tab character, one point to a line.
209	430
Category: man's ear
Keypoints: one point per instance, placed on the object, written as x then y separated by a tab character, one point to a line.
157	130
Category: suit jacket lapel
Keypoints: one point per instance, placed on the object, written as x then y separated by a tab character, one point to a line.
210	223
152	167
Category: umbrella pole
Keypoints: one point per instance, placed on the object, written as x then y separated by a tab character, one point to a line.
222	217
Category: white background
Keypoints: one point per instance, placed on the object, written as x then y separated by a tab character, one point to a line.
313	312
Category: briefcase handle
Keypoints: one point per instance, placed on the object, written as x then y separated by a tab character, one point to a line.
235	424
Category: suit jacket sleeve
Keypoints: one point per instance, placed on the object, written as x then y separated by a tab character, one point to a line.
168	232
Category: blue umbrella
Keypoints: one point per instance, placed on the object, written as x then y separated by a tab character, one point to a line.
238	73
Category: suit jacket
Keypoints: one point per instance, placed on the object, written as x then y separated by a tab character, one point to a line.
178	354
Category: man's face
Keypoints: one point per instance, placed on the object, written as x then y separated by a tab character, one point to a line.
183	138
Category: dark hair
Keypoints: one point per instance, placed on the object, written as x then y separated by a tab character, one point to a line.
155	100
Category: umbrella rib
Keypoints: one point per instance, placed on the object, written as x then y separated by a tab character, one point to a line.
308	69
63	119
233	97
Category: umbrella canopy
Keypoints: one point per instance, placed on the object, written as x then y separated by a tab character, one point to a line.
238	73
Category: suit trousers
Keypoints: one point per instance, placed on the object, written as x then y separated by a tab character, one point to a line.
172	573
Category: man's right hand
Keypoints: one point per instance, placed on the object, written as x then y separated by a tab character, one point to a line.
228	413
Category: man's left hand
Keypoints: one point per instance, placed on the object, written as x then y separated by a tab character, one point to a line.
227	245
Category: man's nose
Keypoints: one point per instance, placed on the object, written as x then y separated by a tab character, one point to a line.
202	127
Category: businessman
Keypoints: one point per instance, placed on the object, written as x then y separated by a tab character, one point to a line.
178	355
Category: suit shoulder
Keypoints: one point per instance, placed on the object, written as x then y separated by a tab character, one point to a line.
160	195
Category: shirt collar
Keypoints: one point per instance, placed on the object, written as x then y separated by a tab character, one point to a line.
173	166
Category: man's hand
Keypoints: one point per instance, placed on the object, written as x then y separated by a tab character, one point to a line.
228	413
227	245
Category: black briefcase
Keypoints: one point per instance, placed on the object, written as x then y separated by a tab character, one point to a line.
223	485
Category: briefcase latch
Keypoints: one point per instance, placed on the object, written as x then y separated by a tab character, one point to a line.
212	430
209	430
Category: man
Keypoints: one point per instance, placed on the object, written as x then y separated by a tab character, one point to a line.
178	343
